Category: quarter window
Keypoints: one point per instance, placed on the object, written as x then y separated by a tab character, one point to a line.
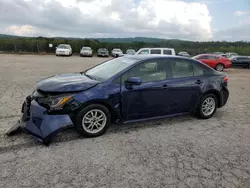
182	68
150	71
198	69
167	52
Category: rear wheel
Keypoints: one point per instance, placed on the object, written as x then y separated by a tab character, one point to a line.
207	106
219	67
93	120
249	65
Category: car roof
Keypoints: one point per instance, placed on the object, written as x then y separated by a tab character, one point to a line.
152	56
241	56
209	54
156	48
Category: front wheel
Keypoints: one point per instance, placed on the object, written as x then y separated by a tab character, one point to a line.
93	120
219	67
207	106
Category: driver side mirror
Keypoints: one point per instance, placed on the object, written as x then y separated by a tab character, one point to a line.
133	81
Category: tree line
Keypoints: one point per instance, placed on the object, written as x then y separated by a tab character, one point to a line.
41	44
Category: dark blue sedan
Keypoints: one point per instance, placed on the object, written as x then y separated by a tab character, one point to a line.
123	90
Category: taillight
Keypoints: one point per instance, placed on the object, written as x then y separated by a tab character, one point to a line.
225	79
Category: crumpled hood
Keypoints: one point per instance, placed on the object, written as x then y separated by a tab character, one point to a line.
66	83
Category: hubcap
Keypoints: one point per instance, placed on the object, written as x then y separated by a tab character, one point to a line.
94	121
219	67
208	106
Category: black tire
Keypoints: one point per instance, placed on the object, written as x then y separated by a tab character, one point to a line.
200	112
81	114
248	66
219	67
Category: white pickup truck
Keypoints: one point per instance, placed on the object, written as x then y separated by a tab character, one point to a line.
160	51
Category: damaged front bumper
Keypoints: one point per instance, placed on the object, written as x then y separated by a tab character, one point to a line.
39	124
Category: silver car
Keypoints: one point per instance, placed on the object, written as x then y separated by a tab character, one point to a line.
63	49
86	52
116	52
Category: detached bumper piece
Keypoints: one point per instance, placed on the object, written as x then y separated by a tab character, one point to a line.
44	127
40	125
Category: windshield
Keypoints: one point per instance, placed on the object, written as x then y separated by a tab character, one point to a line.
196	57
116	50
86	48
110	68
130	51
102	49
63	46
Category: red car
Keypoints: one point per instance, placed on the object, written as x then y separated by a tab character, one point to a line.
215	61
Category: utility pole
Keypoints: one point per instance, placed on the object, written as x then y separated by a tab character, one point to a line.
37	46
15	45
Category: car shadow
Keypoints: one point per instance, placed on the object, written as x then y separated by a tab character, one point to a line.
23	140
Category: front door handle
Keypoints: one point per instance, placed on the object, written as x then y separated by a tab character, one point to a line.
198	82
164	86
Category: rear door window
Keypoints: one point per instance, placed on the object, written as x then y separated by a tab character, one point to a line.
212	57
182	68
242	58
155	51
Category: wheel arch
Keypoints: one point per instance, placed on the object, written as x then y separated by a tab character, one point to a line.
114	113
217	95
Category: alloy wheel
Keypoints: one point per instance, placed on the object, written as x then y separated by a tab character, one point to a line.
94	121
208	106
219	67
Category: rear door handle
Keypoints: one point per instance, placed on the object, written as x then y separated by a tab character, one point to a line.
198	82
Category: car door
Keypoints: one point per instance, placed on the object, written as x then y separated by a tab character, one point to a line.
203	59
237	61
212	61
186	85
150	98
244	61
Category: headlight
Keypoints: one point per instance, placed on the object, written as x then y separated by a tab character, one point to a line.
57	102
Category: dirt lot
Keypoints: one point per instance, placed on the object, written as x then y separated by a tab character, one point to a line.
177	152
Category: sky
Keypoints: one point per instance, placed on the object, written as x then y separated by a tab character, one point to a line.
196	20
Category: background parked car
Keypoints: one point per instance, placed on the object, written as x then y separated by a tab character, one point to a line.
63	49
184	54
102	52
214	61
231	54
160	51
130	51
241	61
116	52
218	53
86	51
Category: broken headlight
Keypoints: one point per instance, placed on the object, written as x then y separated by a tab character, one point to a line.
56	102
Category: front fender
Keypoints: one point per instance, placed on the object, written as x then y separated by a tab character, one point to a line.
107	95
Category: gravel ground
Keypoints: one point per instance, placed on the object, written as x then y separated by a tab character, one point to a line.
175	152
